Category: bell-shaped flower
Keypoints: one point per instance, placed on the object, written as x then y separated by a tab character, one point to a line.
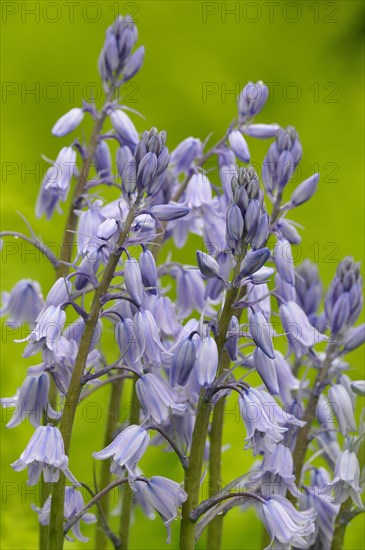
208	265
252	99
183	361
287	526
342	407
149	339
74	503
45	453
23	303
133	280
148	268
190	291
206	364
31	401
305	190
128	342
275	474
157	398
165	496
260	331
68	122
47	330
133	64
283	259
185	154
253	261
124	127
346	480
239	146
198	191
126	449
266	367
298	328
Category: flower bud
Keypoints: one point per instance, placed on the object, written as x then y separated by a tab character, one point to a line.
68	122
239	146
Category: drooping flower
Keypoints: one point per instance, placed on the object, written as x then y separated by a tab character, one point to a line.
31	401
126	449
45	453
345	483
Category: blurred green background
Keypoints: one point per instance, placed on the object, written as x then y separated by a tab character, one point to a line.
199	55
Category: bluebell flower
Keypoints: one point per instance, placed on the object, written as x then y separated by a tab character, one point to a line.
56	182
74	503
165	496
326	511
190	291
281	160
305	190
284	261
358	387
134	64
287	526
23	303
124	127
149	339
198	192
183	157
260	331
148	270
47	330
239	146
345	483
126	449
263	431
354	338
59	293
31	401
342	408
208	265
275	474
128	342
262	131
287	230
133	280
206	361
253	261
103	160
168	212
252	100
343	302
157	398
45	453
309	289
300	333
266	367
68	122
287	382
183	361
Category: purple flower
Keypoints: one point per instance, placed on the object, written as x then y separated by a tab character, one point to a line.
305	190
31	401
266	367
286	525
342	407
346	481
156	398
198	191
165	496
68	122
298	328
252	99
284	261
275	475
208	265
47	330
185	154
133	280
148	338
260	331
45	453
239	146
281	160
183	361
23	303
206	361
74	503
134	64
124	127
262	131
126	449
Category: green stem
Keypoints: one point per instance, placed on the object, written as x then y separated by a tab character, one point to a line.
310	411
194	470
125	518
105	474
341	525
73	394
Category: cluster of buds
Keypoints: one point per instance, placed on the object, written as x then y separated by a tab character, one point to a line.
115	57
281	160
344	300
247	220
146	169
